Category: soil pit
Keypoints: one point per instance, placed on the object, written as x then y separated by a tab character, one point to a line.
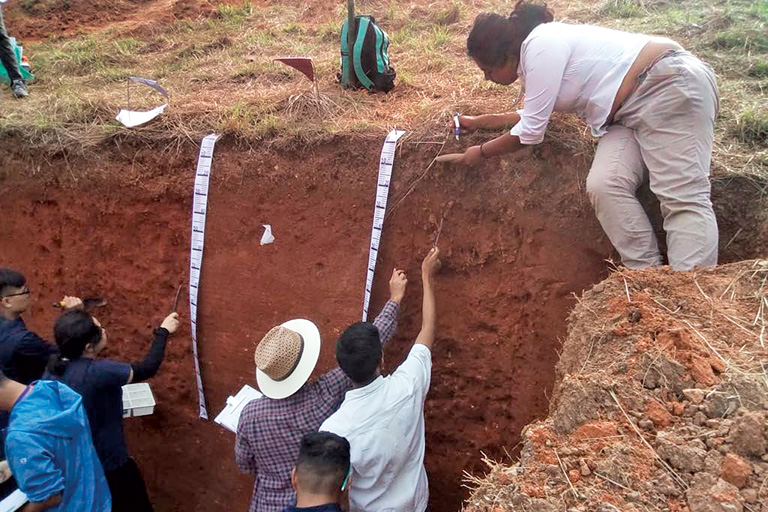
518	241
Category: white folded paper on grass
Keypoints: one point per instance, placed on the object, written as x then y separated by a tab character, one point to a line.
131	118
230	416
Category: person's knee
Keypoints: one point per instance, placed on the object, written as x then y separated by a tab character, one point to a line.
598	187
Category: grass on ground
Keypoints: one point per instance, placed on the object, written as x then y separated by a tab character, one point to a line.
221	76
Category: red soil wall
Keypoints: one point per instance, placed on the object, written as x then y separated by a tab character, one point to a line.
517	242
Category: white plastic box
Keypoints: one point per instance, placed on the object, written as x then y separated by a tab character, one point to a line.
137	400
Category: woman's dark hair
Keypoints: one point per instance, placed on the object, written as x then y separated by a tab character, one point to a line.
494	38
72	331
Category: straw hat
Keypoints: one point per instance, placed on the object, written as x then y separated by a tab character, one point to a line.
285	358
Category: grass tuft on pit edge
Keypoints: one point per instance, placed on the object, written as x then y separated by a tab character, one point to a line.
221	74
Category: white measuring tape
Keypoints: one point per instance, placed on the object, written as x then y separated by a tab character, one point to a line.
199	207
382	194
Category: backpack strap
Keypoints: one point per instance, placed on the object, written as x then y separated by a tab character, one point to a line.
381	51
344	50
363	28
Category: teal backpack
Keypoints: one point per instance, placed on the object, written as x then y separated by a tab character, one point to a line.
370	60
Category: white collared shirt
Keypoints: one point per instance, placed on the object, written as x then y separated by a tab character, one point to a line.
384	424
576	68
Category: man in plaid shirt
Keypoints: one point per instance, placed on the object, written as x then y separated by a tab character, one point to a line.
270	429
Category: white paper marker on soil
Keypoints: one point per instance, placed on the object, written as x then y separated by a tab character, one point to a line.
382	193
199	207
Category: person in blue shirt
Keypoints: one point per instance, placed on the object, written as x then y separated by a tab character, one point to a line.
80	338
321	475
49	448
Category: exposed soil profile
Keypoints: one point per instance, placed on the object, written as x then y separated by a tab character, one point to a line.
517	243
519	238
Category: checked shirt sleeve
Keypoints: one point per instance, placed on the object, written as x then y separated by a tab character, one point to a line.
386	322
245	454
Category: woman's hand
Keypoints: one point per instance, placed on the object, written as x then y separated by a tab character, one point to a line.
466	123
171	323
472	156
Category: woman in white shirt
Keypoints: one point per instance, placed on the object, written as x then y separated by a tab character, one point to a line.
652	103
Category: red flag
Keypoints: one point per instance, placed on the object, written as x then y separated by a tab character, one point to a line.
303	64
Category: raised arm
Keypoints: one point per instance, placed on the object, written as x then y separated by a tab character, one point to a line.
429	268
386	322
147	368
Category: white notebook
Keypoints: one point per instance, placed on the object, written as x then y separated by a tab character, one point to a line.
229	417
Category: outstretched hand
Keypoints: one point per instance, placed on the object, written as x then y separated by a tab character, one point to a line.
397	284
431	263
171	323
69	303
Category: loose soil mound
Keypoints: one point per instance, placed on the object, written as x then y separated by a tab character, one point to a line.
518	240
661	401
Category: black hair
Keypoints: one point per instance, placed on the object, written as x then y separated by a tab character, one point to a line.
10	278
323	462
358	352
73	331
495	38
3	378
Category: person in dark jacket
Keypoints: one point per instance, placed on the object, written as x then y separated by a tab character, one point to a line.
81	338
50	450
23	354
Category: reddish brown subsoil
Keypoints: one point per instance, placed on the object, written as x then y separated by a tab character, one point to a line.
42	19
517	242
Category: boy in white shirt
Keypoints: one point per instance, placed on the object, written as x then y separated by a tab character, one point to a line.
383	417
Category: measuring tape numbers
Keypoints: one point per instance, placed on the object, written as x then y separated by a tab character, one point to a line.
386	161
199	210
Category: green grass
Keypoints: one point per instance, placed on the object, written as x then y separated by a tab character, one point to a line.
221	75
759	69
622	8
234	14
752	128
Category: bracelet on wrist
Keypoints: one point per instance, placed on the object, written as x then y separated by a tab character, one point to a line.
481	150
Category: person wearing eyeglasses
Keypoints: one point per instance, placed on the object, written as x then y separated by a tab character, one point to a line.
322	474
23	354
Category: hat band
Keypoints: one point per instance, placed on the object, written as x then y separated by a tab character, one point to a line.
295	363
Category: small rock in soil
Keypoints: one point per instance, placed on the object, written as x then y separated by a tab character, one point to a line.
735	470
584	468
710	494
749	495
695	395
747	435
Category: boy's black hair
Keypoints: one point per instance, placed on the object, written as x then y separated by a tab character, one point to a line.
323	463
10	278
358	352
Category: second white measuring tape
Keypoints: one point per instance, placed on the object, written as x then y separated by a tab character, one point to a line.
386	161
199	210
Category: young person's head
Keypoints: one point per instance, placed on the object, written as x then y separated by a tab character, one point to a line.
78	334
494	41
358	352
14	293
323	470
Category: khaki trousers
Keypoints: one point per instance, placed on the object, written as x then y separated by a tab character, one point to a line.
662	133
